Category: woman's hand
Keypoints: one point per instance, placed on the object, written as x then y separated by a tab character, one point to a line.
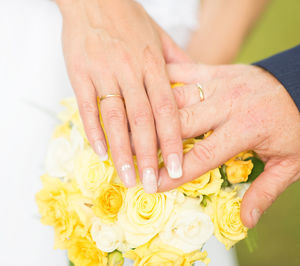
114	47
247	109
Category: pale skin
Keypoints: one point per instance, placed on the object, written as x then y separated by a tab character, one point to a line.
114	47
247	109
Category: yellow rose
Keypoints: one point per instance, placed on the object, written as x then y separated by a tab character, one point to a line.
83	208
71	115
144	215
226	217
241	156
82	250
62	131
90	172
70	109
188	144
156	253
238	171
207	184
53	205
109	201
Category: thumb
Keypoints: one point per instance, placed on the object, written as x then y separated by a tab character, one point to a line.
265	189
190	73
172	52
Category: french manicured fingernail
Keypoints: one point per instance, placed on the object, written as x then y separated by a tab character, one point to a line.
149	180
100	150
174	166
128	175
255	216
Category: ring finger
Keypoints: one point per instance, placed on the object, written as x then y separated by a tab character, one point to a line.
116	127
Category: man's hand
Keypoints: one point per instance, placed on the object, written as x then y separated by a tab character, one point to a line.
247	109
114	47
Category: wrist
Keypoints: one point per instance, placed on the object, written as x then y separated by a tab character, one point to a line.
268	80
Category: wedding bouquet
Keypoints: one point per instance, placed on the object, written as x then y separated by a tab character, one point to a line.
101	222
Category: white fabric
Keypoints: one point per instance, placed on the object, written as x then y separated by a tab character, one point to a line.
33	81
178	17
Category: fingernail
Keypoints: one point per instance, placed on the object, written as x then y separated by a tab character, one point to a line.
255	216
149	180
158	182
100	150
174	166
128	175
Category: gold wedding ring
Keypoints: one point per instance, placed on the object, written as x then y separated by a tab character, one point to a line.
111	96
201	93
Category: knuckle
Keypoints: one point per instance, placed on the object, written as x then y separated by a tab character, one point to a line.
78	75
154	62
186	118
147	158
169	143
180	95
204	152
92	133
142	118
115	116
269	195
158	62
165	107
151	56
88	107
76	67
124	56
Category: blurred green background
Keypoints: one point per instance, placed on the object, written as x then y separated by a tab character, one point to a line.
278	233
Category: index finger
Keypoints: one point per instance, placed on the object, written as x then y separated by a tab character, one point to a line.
206	155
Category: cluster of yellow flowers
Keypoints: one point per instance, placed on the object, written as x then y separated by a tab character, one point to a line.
101	222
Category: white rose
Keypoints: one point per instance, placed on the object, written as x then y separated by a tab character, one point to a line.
242	189
188	228
177	196
108	237
60	155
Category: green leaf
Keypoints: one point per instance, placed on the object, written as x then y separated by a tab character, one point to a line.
204	201
222	171
258	168
115	258
71	263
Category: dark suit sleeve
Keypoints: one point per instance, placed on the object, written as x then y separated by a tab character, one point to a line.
285	67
